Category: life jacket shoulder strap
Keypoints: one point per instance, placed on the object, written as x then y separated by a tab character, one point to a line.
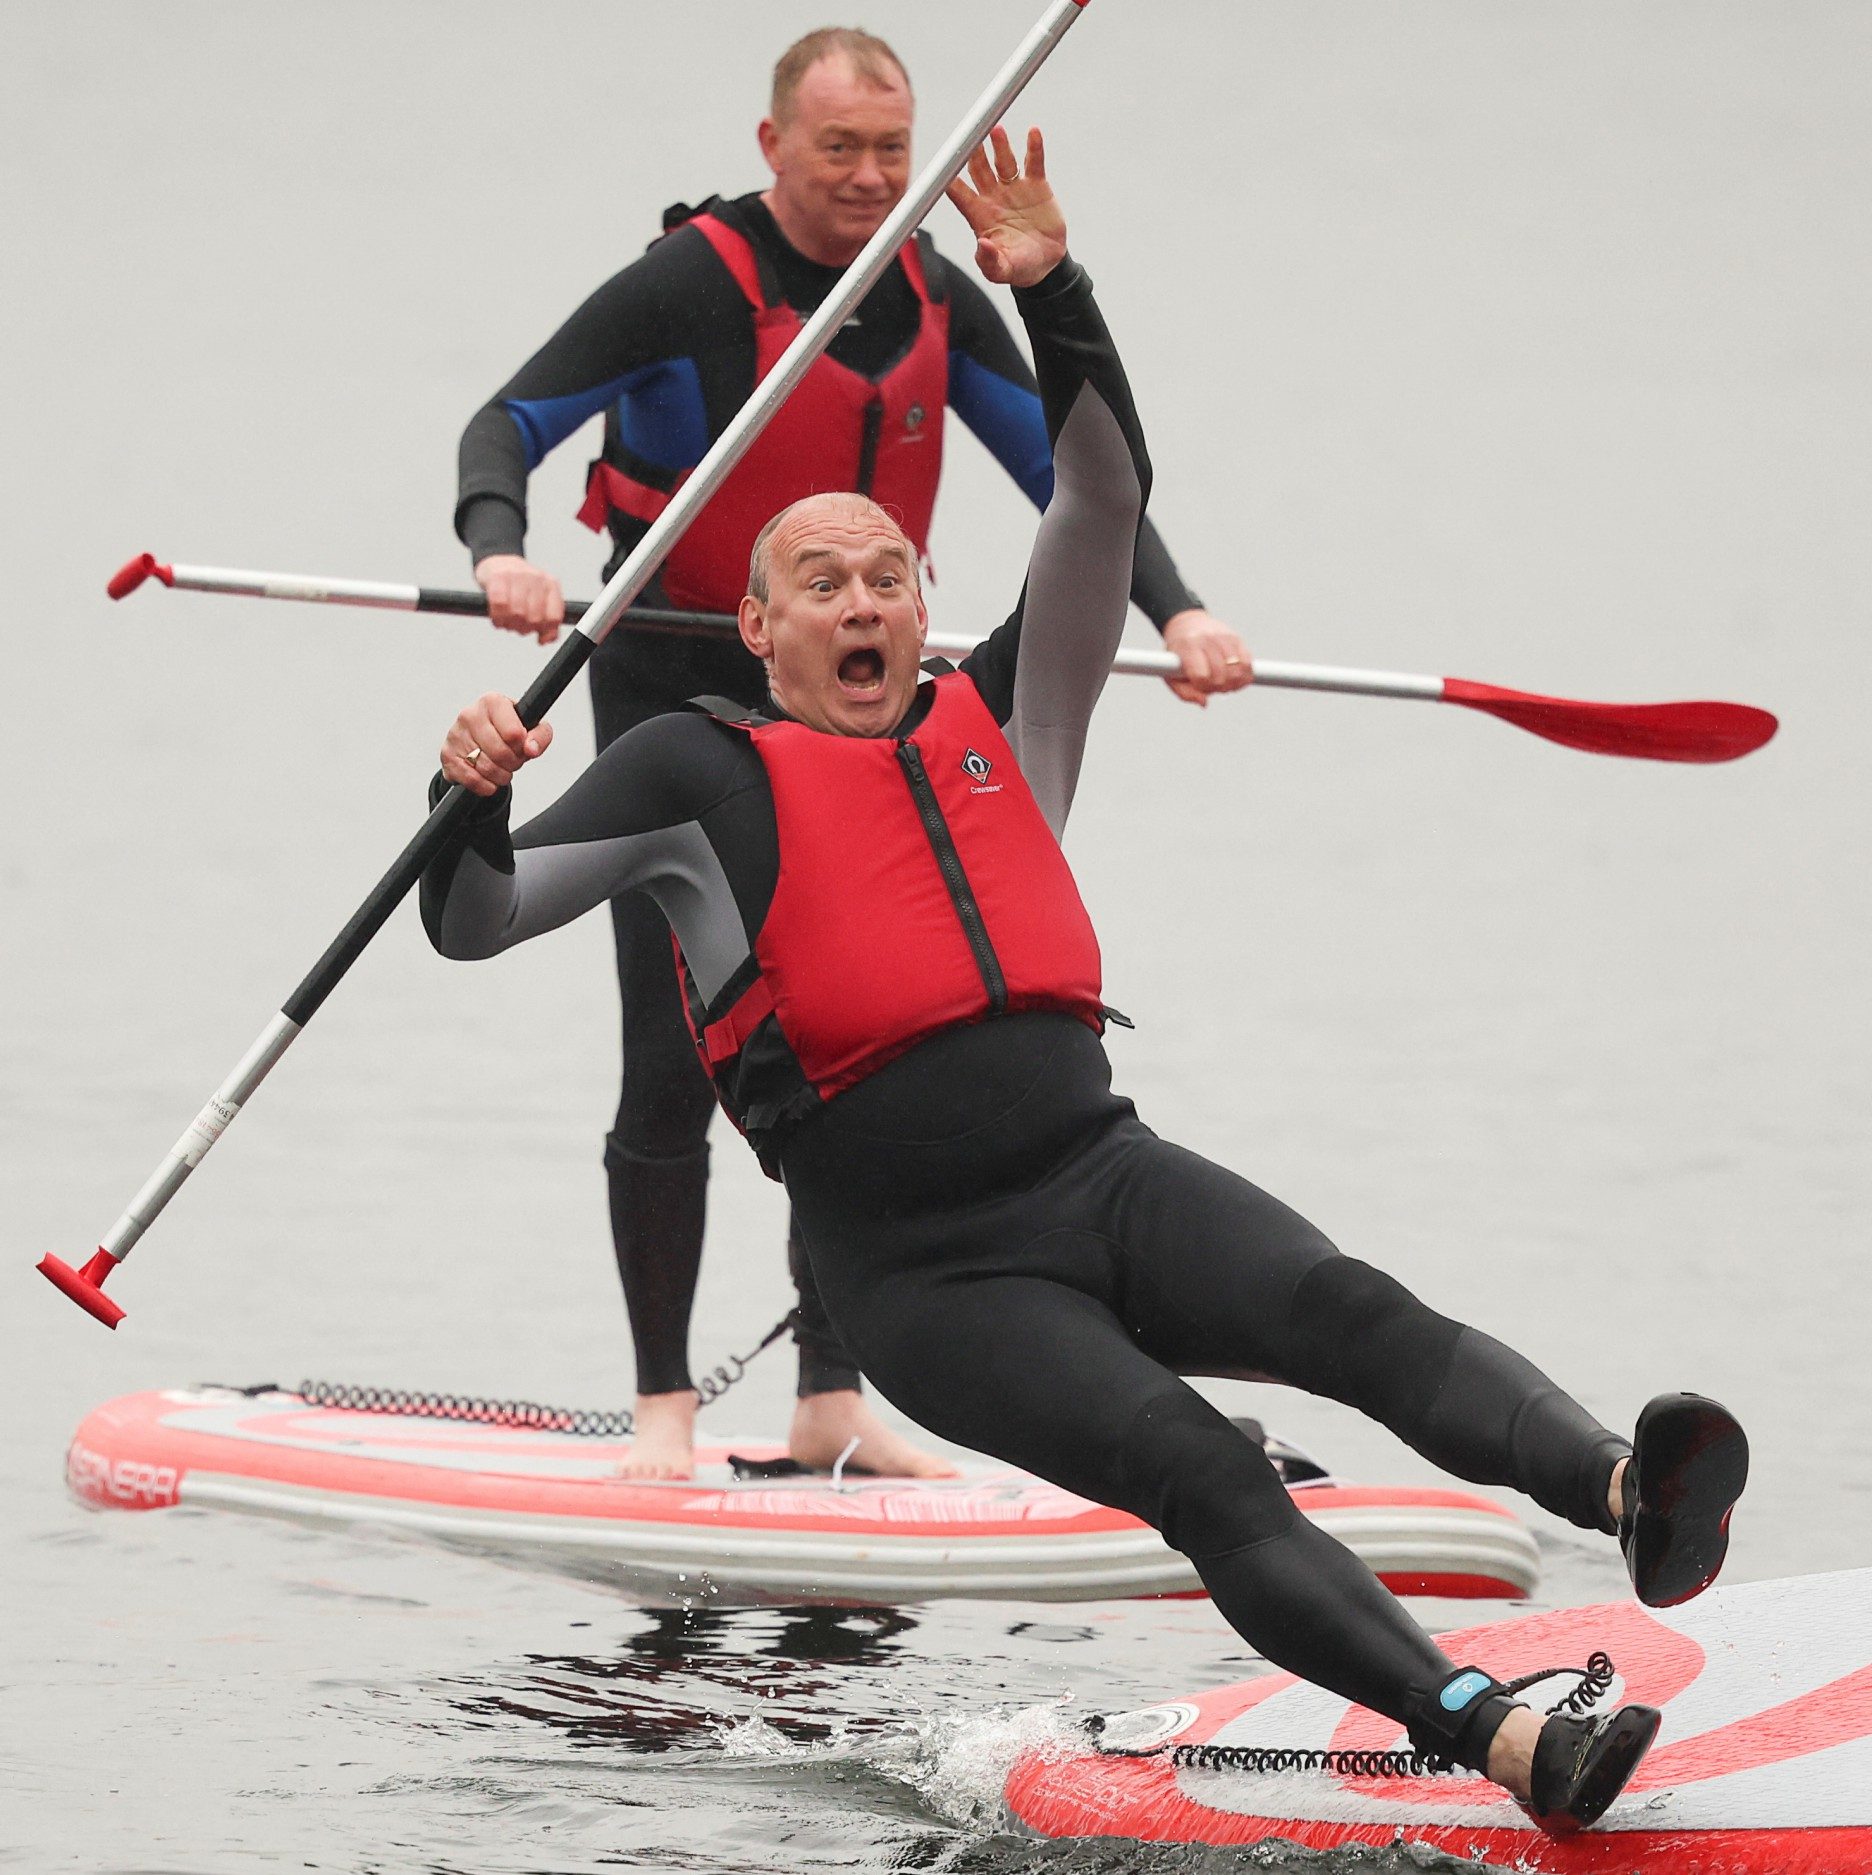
921	266
750	269
729	713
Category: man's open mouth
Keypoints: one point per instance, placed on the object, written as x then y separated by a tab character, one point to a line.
861	673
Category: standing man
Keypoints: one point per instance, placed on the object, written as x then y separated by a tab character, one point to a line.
668	350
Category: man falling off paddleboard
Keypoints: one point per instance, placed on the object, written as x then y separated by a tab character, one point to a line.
896	991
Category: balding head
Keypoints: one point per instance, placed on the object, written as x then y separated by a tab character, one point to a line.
796	522
835	611
871	61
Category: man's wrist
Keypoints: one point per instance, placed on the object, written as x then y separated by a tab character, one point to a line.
1064	278
1188	604
490	525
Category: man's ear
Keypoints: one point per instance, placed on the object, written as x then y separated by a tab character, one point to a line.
769	134
922	619
752	618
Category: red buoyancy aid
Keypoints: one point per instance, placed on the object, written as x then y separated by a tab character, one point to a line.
838	430
919	889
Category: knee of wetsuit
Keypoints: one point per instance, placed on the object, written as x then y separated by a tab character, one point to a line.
1360	1336
1456	1721
1190	1473
625	1151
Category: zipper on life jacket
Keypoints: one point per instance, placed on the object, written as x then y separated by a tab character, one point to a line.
868	442
949	863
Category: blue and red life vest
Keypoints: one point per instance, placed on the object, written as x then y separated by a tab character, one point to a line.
919	889
838	430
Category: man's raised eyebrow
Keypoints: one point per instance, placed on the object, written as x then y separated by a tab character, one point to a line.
806	555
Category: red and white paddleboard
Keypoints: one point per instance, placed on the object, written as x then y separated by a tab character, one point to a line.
1763	1765
554	1500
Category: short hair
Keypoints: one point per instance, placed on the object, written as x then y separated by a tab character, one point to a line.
871	59
760	561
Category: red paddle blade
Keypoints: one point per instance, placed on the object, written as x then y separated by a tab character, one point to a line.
1657	732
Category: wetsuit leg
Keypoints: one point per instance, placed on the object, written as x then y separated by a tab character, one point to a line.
1224	1278
657	1156
1025	1268
824	1366
1037	1372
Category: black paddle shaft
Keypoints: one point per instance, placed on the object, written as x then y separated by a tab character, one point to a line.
636	618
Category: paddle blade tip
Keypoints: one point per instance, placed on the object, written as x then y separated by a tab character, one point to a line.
1754	729
85	1286
133	573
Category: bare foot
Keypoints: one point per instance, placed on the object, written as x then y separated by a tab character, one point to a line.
824	1424
1615	1492
664	1446
1511	1752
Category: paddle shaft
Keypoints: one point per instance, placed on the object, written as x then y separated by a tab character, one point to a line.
1662	732
595	624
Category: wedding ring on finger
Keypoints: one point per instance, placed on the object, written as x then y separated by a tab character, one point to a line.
473	756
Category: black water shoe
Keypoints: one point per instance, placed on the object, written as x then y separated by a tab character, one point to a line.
1580	1765
1688	1465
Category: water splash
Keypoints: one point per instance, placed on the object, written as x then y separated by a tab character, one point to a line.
958	1764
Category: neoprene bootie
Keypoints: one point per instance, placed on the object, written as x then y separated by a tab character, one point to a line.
1688	1465
1580	1765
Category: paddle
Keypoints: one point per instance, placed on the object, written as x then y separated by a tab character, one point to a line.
1658	732
85	1286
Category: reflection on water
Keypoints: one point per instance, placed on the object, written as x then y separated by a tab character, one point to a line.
685	1675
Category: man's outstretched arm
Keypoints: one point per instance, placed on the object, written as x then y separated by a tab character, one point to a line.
1041	672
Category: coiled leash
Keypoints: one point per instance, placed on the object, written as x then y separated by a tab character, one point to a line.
581	1422
1594	1680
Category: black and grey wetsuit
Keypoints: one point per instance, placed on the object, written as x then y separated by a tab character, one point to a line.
1013	1257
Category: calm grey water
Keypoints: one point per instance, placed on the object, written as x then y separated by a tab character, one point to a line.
1524	343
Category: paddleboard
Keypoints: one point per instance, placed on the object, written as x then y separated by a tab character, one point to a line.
731	1536
1763	1765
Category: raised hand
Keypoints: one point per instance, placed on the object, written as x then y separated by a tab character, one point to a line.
1020	234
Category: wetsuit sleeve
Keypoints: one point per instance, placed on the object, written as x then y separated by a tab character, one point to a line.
995	394
1042	671
648	321
658	811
